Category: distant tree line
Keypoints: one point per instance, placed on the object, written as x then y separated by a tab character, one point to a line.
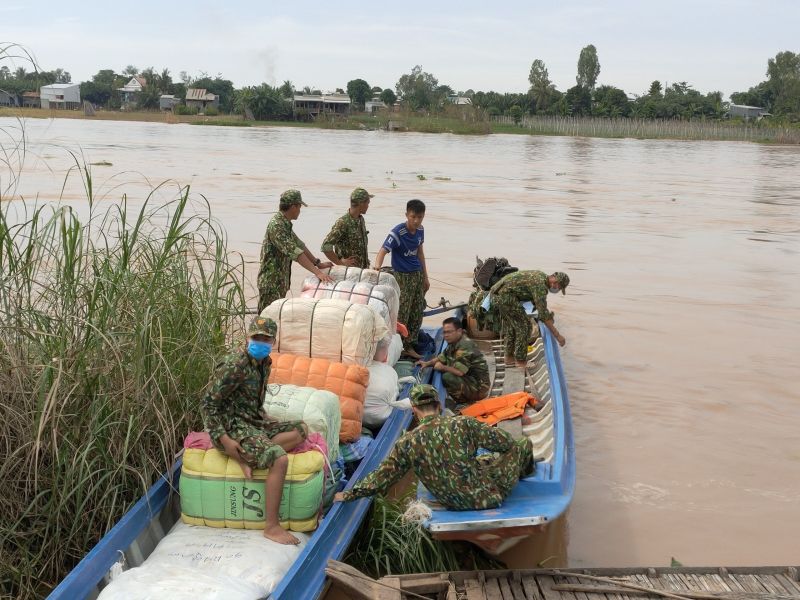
421	91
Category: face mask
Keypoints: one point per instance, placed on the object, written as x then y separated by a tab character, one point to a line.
258	350
554	290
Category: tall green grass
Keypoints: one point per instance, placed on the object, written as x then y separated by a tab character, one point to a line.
110	328
650	129
389	545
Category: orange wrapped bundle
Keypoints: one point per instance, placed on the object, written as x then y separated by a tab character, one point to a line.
493	410
349	382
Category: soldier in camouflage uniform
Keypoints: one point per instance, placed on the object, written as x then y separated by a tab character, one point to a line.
441	451
236	424
465	372
410	270
507	296
280	247
346	243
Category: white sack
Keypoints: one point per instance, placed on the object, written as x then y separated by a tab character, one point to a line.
319	409
332	329
381	394
194	562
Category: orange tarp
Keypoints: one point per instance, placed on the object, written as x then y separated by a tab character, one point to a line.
493	410
349	382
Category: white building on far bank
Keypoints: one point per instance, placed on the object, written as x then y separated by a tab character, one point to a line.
61	95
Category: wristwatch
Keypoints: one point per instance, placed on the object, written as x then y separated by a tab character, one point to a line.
317	262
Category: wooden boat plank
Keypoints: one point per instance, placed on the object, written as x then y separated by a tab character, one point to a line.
512	426
771	582
452	594
515	380
746	582
584	595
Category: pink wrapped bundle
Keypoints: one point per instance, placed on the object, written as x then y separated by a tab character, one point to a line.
380	297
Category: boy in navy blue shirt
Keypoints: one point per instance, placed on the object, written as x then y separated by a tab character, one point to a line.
408	263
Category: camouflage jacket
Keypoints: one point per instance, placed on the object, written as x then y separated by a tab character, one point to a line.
524	286
233	402
441	451
468	359
348	239
280	247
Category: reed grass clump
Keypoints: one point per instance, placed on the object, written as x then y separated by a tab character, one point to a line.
110	328
387	544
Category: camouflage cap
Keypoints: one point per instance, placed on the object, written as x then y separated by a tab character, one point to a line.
291	197
422	394
563	280
360	195
262	326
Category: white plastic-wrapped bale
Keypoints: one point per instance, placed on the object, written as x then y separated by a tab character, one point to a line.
340	273
319	409
383	298
381	394
194	562
332	329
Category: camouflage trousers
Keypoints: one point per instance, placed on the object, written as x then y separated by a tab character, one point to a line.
515	324
259	449
463	390
271	287
412	304
504	472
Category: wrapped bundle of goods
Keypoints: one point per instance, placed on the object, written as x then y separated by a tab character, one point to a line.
333	329
383	298
389	351
215	493
340	273
317	408
381	394
348	382
198	562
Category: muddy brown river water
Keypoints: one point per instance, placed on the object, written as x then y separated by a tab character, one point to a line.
682	320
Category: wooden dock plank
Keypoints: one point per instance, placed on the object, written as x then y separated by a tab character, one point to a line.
531	588
789	583
491	589
505	588
546	583
515	582
474	589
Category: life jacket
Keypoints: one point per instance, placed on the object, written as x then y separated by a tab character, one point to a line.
493	410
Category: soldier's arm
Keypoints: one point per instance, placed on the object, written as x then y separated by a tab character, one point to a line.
380	480
286	241
546	317
491	438
216	404
333	238
379	259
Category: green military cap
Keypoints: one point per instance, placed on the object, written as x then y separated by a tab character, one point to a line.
290	197
360	195
262	326
422	394
563	280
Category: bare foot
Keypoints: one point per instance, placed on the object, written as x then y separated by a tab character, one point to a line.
276	533
522	363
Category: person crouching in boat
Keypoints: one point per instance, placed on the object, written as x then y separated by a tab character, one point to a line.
233	418
441	451
465	372
506	298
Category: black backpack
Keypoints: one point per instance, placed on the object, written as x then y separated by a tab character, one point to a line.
490	271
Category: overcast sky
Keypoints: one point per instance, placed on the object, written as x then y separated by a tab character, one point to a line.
712	44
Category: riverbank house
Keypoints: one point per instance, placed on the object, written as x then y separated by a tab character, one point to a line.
63	96
313	105
201	99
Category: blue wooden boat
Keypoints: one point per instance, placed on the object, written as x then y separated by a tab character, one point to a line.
543	497
138	532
